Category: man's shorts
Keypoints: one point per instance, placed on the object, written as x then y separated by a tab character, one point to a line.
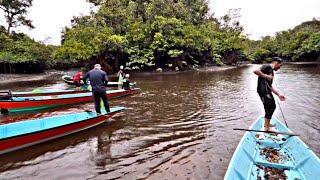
268	104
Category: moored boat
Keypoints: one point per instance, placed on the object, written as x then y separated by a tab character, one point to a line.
261	155
46	93
69	80
22	134
18	104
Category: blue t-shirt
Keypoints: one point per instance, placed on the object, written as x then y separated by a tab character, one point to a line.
98	79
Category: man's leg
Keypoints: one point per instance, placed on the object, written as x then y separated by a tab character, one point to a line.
269	106
266	124
96	100
105	101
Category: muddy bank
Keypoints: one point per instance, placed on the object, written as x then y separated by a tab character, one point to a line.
9	79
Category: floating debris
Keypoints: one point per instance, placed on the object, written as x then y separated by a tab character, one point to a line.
274	174
270	154
274	155
271	173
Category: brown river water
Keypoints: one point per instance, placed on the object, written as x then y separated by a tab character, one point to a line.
178	127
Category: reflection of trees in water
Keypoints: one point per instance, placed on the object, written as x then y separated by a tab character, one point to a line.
104	155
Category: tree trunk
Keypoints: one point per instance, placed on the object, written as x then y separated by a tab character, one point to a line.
10	20
5	68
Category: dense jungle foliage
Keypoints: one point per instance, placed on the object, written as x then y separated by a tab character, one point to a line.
150	34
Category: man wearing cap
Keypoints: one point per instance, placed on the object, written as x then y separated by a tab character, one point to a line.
265	88
126	82
98	80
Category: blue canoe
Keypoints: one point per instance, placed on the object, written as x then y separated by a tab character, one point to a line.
269	156
22	134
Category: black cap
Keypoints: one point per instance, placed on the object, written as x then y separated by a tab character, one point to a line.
277	59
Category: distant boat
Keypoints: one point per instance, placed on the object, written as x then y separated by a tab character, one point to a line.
22	134
19	104
269	156
69	80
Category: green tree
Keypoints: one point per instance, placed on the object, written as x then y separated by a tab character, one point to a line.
151	34
297	44
15	13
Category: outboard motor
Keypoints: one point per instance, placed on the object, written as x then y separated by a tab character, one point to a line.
5	95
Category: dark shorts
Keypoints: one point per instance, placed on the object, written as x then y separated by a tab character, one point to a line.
77	83
269	104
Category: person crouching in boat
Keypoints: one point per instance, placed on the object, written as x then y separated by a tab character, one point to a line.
126	82
77	80
121	75
98	80
265	89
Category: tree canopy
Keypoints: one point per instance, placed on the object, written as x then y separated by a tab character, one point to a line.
15	13
302	43
151	34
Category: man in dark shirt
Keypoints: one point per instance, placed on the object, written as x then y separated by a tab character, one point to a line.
126	82
98	80
265	88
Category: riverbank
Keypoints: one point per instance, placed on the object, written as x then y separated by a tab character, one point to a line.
8	79
49	75
301	63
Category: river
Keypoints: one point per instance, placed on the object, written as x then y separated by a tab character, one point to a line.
178	127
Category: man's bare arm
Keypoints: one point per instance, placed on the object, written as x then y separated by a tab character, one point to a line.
275	91
259	73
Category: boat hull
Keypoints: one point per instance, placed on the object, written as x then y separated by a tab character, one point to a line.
47	93
260	155
8	144
69	80
30	104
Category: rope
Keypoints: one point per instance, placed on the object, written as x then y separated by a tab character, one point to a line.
281	109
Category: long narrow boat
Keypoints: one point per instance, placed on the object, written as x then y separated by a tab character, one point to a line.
46	93
37	92
22	134
270	156
69	80
19	104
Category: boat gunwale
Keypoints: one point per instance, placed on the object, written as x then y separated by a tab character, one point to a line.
119	109
247	133
63	98
50	138
238	149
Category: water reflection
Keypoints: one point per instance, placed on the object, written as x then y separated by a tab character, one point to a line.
178	127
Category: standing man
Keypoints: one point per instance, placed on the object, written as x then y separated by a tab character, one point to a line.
98	80
121	77
265	89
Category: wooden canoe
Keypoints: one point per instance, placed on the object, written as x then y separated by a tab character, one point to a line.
69	80
19	104
23	134
270	156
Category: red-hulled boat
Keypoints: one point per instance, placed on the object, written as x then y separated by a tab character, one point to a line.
18	104
22	134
